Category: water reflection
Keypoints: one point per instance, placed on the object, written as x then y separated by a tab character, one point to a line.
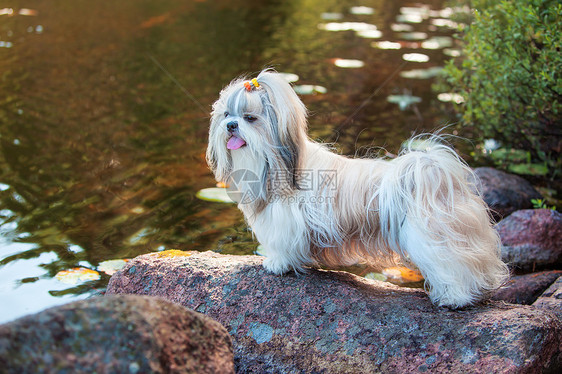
102	152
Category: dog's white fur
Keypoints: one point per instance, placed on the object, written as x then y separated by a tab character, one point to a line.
421	206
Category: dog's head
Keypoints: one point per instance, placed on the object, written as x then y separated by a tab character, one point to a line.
263	118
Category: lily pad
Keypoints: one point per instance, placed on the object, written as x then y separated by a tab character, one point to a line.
77	275
215	194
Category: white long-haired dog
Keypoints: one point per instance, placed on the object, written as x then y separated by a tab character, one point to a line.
309	206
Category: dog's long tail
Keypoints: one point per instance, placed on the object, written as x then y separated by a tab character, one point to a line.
432	215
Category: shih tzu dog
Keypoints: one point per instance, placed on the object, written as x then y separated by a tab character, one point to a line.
308	206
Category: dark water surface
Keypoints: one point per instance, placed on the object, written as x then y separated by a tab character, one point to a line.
104	117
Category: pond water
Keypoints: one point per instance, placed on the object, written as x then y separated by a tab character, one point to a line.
104	110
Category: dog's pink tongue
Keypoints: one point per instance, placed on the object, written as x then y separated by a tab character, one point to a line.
235	143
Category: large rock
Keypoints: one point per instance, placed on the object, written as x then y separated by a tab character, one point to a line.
532	239
505	193
525	289
551	299
336	322
117	334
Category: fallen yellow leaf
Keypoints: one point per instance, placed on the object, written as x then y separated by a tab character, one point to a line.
402	274
75	275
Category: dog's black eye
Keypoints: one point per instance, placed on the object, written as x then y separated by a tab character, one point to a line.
250	118
226	114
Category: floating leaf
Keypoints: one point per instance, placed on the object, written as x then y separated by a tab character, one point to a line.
331	16
347	26
409	18
443	22
308	89
401	27
420	11
110	267
376	276
290	77
386	45
451	52
403	101
215	194
412	35
447	97
400	274
437	42
415	57
348	64
27	12
369	34
76	275
362	10
422	73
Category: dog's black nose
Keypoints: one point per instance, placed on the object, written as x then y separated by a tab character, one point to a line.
231	126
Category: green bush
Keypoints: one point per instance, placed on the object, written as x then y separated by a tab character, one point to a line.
510	75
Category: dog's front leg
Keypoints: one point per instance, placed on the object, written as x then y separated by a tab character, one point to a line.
282	231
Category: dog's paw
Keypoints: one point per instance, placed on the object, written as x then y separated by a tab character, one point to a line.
276	266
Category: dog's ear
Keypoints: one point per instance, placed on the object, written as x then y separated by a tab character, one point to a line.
218	158
288	116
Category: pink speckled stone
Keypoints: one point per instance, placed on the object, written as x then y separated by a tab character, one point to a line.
116	334
335	322
532	239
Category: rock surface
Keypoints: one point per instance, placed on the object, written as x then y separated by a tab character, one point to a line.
525	289
335	322
117	334
532	239
505	193
551	299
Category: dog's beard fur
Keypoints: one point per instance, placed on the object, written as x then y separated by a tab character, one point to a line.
421	207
